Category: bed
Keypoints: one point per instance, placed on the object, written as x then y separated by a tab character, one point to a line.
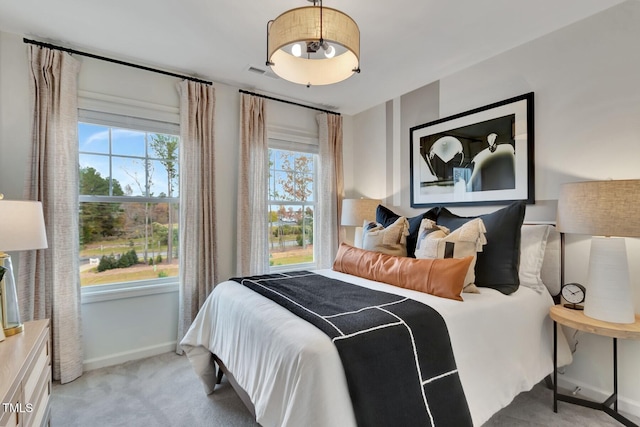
289	373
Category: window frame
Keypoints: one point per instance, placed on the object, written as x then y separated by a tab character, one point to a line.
134	288
286	140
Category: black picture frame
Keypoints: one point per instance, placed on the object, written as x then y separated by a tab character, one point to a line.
483	156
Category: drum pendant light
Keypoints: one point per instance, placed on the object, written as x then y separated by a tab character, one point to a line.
313	45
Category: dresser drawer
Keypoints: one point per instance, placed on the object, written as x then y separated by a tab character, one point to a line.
40	365
42	401
9	417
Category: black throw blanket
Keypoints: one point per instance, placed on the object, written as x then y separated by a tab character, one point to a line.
395	351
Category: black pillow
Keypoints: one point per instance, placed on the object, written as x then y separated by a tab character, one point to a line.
497	265
387	217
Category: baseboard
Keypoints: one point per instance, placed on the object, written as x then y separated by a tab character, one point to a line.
118	358
587	391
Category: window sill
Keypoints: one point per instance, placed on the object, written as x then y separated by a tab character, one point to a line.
292	267
101	293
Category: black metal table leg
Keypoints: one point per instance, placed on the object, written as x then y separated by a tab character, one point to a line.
555	366
615	373
604	406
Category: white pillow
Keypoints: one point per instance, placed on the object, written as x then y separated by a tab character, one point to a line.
533	242
435	241
391	240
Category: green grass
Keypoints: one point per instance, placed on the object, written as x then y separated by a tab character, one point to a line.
295	259
291	255
119	275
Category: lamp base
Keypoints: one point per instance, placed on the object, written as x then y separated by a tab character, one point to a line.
14	330
9	312
609	296
357	238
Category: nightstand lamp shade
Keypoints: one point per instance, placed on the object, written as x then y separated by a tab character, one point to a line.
609	209
21	228
355	212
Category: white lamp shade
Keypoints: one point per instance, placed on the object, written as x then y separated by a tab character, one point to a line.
21	226
356	211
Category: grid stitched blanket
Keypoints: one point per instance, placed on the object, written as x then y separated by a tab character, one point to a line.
395	351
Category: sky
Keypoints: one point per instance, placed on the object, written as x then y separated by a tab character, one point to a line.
128	152
127	159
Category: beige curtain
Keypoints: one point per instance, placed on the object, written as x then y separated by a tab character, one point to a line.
198	257
253	238
50	279
330	189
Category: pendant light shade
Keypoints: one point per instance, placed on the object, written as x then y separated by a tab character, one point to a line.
329	45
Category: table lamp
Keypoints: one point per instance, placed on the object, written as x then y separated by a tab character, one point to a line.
355	212
21	228
608	211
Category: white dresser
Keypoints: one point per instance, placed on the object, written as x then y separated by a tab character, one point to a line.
25	377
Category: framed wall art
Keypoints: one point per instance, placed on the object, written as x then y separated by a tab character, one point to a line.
482	156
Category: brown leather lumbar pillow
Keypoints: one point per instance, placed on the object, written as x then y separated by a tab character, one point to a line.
440	277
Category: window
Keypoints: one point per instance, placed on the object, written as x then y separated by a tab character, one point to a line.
128	193
292	205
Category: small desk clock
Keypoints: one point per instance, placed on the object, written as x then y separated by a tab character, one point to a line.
574	294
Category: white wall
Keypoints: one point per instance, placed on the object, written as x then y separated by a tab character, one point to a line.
587	125
15	132
367	178
116	330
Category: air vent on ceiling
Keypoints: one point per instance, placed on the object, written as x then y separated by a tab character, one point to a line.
262	72
256	70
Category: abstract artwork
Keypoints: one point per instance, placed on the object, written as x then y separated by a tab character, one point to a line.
482	156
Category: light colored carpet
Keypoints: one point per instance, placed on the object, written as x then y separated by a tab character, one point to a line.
164	391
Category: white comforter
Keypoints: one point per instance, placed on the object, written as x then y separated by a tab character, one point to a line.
293	374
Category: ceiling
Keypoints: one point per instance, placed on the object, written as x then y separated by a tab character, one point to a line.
405	44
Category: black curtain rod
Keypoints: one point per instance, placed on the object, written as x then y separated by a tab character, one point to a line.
115	61
288	102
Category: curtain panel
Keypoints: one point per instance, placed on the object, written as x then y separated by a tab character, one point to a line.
198	252
50	279
253	238
330	189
